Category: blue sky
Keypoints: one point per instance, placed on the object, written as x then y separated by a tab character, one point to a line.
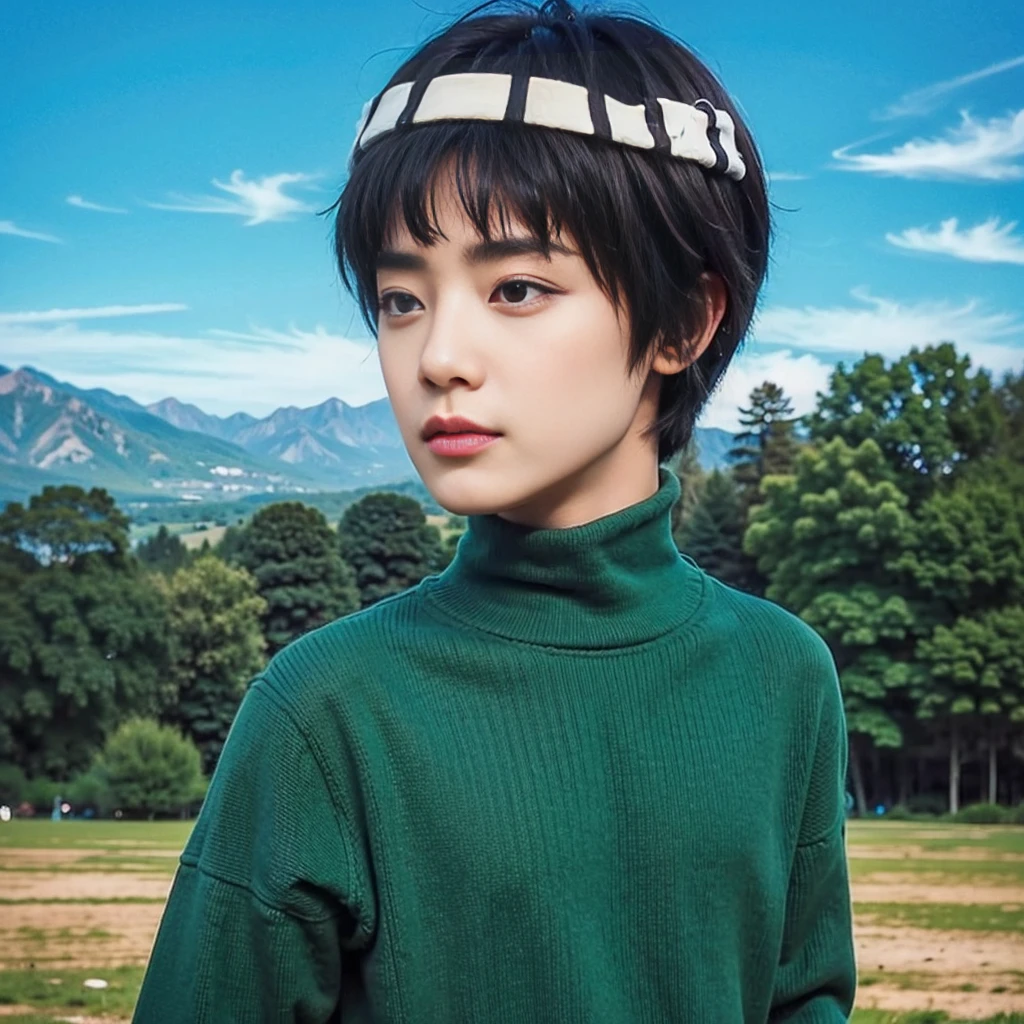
160	166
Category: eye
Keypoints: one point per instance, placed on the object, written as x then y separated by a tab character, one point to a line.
513	291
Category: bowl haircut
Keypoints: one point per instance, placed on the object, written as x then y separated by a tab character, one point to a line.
647	224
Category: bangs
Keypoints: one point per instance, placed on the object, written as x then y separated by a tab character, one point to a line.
552	184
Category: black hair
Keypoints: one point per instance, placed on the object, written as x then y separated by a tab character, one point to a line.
647	224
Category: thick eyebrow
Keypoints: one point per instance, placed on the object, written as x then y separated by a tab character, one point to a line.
482	252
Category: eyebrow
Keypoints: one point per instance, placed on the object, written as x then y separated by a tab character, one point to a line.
475	255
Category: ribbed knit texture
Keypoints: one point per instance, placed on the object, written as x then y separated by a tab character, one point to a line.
571	779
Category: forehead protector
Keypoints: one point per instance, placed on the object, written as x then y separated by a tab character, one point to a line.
695	131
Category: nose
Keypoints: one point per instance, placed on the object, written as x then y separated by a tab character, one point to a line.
450	352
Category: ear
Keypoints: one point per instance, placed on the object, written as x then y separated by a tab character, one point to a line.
670	359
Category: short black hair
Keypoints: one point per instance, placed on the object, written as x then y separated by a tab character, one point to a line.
647	224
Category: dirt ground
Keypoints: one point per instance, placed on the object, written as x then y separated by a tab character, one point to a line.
930	968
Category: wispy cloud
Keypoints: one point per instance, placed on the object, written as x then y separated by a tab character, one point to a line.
8	227
84	204
42	316
259	201
801	375
255	371
922	101
987	242
986	151
786	176
994	340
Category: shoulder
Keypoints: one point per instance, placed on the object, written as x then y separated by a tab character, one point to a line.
782	646
337	659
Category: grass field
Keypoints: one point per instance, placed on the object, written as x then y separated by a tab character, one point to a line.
939	919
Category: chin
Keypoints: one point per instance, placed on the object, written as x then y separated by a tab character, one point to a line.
466	491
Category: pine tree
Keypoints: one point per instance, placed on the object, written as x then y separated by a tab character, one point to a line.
767	446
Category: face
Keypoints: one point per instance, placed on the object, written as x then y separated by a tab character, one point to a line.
525	346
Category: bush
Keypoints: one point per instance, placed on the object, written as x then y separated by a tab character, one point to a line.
927	803
41	793
150	769
89	790
1015	815
902	813
982	814
13	785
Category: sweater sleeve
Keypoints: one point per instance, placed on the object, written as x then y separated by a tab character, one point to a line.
816	978
270	894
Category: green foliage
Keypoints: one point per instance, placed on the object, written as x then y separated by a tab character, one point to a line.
828	539
386	539
984	814
975	667
293	553
150	769
767	446
13	785
82	630
713	533
163	552
927	412
217	646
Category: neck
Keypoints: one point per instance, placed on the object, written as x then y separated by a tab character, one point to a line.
612	582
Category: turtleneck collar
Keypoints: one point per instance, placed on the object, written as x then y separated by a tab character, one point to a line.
615	581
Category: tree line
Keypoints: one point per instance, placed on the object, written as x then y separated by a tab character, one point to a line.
890	518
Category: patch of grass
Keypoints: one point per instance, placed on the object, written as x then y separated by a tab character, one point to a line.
924	981
946	916
61	990
123	837
984	872
91	900
30	934
938	837
928	1017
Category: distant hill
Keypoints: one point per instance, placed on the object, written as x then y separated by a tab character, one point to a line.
54	432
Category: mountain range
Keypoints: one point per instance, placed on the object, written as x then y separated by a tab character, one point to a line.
53	432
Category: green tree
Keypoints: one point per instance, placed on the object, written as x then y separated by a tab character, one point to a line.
928	412
828	540
966	559
713	534
292	552
767	445
150	769
975	681
82	630
216	647
163	552
388	542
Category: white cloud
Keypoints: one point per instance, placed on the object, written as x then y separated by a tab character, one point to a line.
220	371
974	150
921	101
84	204
987	242
87	313
8	227
259	201
993	340
786	176
801	376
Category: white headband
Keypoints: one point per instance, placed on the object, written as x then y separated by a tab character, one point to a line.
697	131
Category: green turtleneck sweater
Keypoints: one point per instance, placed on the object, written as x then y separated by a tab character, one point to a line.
570	779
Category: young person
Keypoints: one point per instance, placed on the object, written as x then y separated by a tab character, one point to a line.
571	778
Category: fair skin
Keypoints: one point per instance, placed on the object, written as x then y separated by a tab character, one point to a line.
529	347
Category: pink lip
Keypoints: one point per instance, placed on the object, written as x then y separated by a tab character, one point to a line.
460	444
